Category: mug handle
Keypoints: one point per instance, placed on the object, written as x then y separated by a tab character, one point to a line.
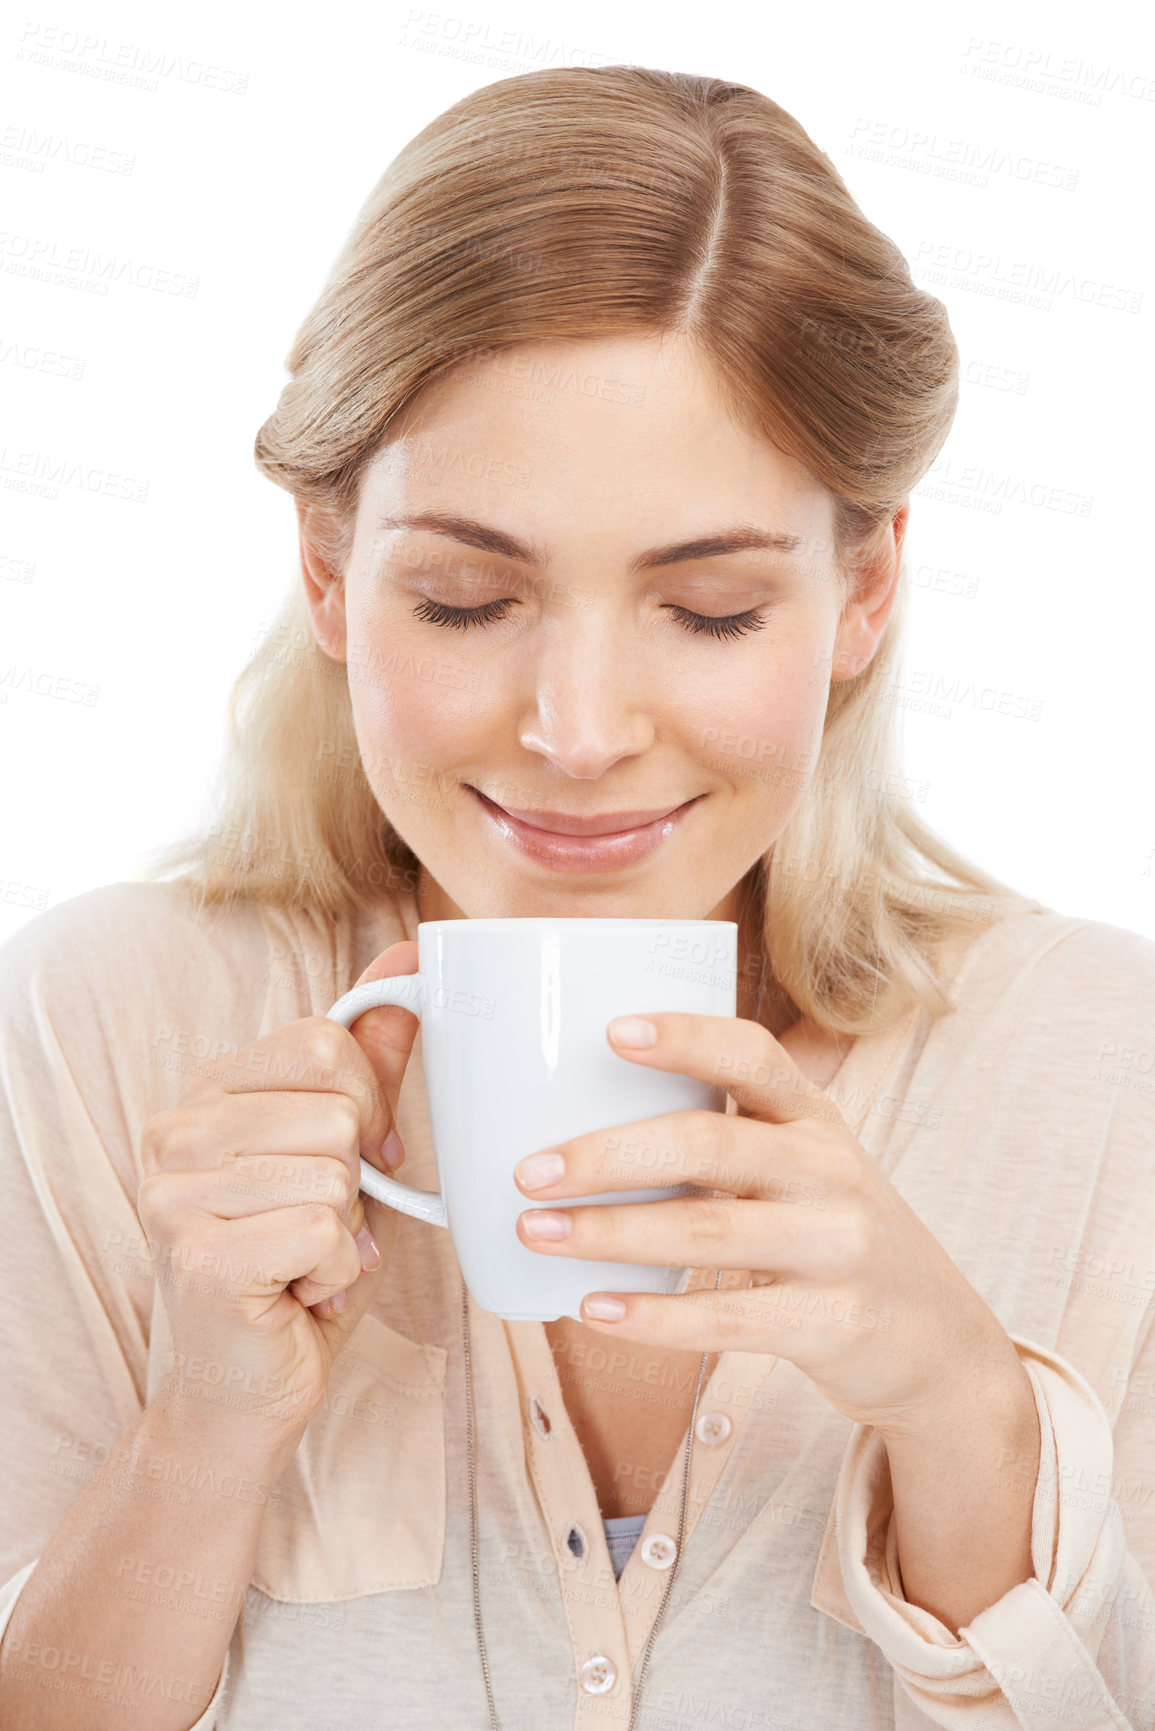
398	989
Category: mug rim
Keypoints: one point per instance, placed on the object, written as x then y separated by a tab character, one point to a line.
564	920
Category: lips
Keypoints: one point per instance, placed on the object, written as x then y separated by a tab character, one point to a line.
567	823
585	844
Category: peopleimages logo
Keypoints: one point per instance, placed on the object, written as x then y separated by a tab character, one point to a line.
939	688
991	489
477	40
924	152
1038	69
35	472
1018	280
47	259
28	148
118	62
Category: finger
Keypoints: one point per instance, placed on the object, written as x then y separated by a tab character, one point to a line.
286	1181
245	1136
253	1183
262	1254
228	1128
743	1156
701	1321
680	1232
314	1055
375	1243
740	1056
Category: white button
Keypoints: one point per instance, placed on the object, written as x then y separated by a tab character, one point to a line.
712	1427
659	1550
598	1674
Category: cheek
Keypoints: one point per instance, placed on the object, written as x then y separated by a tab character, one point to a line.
762	727
414	704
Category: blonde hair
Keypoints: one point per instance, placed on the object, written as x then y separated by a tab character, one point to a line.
580	203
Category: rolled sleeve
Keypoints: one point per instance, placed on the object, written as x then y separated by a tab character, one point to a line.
1061	1648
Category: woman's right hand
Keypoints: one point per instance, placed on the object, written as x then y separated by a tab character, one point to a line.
251	1203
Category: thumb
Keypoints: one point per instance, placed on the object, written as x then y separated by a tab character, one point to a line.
385	1036
386	1033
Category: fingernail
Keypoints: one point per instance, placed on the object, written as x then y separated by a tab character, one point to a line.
391	1150
632	1031
605	1309
336	1302
547	1223
538	1170
370	1255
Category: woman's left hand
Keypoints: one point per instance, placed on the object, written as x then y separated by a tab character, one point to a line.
847	1282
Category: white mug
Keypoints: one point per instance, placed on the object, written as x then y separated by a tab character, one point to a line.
516	1058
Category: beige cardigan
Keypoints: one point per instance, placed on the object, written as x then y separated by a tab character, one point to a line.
1021	1129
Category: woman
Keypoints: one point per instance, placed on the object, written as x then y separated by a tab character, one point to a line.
601	438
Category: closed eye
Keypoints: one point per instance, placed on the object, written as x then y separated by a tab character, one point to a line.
461	618
732	625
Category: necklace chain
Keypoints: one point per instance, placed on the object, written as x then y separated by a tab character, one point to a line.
473	1545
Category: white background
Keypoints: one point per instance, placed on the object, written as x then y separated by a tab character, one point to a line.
245	154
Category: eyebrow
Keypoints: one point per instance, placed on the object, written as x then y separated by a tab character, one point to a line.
740	539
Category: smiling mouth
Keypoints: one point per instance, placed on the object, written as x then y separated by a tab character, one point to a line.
585	843
574	824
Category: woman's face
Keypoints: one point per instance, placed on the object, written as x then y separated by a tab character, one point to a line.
603	512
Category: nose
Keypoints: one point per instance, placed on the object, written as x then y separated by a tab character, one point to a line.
589	706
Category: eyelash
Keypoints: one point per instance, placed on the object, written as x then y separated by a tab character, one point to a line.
701	624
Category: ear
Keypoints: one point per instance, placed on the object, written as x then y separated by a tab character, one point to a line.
865	614
324	587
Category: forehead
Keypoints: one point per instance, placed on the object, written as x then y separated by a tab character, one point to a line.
628	427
